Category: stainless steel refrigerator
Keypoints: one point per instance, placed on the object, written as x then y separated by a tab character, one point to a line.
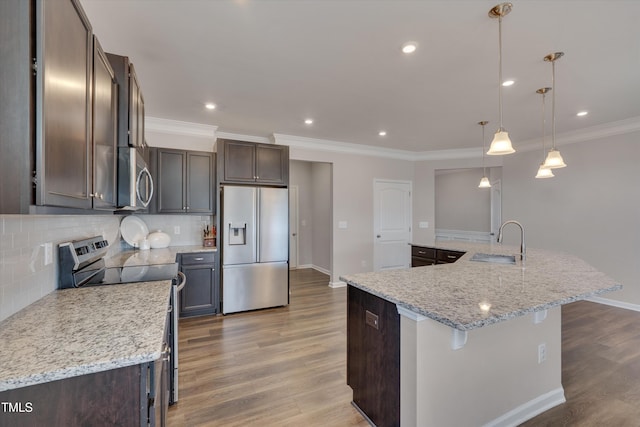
255	247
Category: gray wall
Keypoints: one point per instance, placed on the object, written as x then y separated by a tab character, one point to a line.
461	204
300	176
321	207
591	208
352	201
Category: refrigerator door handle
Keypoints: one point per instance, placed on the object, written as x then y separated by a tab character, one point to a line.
258	231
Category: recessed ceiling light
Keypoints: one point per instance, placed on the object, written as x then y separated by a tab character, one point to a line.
210	106
508	83
308	121
409	47
382	133
582	113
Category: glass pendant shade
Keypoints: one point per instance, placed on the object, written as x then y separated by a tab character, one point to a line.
544	172
501	144
484	183
554	160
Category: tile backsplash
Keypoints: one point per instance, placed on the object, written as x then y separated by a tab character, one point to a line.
24	277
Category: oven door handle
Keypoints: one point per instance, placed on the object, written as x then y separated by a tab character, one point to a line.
183	281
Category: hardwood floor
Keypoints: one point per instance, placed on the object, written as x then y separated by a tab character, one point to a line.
276	367
600	368
287	366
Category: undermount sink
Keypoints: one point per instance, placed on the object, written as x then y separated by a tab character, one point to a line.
494	258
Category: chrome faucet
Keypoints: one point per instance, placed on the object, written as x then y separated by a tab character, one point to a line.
523	248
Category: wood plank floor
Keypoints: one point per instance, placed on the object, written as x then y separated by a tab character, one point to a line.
600	368
276	367
287	366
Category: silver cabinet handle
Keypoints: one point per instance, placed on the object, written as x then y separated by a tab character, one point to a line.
451	256
421	252
198	259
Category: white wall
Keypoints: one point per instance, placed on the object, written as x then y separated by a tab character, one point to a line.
24	278
590	209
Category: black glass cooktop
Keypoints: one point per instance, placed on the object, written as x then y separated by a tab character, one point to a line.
101	275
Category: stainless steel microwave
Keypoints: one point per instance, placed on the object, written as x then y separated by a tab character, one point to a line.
135	183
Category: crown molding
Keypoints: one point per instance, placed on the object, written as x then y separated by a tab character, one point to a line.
341	147
241	137
176	127
606	130
194	129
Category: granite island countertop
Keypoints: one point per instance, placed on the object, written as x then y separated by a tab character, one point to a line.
468	294
73	332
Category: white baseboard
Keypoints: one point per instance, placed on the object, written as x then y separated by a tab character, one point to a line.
338	284
615	303
529	409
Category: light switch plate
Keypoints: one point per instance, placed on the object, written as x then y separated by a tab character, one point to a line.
423	224
342	224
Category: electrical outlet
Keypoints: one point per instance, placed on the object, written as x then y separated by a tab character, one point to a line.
176	229
542	352
48	253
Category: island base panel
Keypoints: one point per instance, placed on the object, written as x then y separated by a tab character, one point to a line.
373	356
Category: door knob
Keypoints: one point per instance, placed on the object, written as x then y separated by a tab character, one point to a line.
378	236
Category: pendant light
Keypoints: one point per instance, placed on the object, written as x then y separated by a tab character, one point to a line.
484	182
543	171
554	159
501	143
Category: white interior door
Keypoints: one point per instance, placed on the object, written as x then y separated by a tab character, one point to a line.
293	227
391	224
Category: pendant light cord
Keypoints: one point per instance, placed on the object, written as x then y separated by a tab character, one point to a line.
553	104
484	170
544	122
500	69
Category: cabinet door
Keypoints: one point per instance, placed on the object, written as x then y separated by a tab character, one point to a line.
199	295
239	161
200	182
170	186
272	164
64	52
105	120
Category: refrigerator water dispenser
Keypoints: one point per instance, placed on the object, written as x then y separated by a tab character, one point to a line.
238	234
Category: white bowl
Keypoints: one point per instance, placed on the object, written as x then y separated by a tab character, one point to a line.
158	239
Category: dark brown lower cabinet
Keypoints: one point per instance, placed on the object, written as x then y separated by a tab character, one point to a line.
129	396
200	295
373	356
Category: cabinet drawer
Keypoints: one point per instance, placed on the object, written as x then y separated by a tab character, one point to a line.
448	256
417	261
423	252
197	258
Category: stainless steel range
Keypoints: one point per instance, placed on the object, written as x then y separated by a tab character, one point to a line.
81	264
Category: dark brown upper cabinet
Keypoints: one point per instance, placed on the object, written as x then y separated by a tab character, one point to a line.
105	121
184	181
241	162
130	103
51	124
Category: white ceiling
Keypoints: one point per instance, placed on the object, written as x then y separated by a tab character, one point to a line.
269	64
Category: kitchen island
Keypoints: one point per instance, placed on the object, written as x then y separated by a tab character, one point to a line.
477	343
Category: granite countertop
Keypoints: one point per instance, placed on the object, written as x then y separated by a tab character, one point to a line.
453	294
73	332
